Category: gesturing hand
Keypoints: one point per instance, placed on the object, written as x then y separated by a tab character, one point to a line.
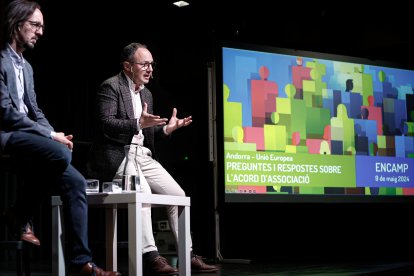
176	123
149	120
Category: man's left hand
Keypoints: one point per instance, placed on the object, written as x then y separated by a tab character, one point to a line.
175	123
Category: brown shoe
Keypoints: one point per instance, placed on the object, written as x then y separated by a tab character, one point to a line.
90	269
28	235
197	265
160	266
25	231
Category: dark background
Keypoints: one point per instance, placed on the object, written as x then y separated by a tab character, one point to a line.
80	49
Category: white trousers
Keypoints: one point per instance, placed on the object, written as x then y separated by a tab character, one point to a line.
153	179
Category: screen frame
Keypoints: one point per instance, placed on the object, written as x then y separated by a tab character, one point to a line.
285	198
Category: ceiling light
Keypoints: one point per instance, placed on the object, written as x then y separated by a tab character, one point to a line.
181	4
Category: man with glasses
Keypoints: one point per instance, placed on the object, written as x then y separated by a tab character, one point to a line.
125	114
38	153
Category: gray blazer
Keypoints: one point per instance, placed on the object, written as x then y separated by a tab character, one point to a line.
117	126
10	118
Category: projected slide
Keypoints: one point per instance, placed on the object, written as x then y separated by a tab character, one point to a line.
301	125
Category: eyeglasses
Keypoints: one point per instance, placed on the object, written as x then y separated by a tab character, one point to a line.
145	65
36	25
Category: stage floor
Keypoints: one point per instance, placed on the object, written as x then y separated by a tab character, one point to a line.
244	267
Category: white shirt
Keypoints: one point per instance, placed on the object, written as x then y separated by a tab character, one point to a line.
136	103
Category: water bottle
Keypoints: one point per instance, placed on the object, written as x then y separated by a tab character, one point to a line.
130	176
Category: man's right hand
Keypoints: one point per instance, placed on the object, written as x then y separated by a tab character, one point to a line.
149	120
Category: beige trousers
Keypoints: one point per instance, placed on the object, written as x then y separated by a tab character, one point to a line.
153	179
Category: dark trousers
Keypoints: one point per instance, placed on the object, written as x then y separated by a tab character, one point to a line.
45	167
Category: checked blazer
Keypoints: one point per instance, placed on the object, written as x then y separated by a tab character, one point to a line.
117	126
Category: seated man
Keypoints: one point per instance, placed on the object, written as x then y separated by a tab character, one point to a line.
38	153
125	108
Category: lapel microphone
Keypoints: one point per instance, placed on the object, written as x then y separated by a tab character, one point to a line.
132	75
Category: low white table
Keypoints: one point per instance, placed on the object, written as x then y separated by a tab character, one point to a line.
133	201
